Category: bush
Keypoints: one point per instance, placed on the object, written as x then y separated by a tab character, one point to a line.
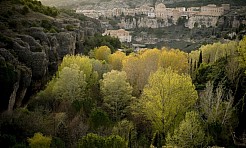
38	140
94	141
25	10
99	118
57	143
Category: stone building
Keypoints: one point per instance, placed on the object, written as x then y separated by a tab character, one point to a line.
121	34
160	11
226	7
212	10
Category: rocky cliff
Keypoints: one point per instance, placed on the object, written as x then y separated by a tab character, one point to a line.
142	22
31	47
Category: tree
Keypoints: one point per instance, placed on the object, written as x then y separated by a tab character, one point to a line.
166	98
200	59
116	93
84	64
102	53
216	105
175	59
99	118
139	67
39	141
242	52
74	80
70	84
91	141
115	60
157	140
190	133
125	130
94	141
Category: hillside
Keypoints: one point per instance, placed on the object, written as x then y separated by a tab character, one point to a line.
33	40
64	85
105	4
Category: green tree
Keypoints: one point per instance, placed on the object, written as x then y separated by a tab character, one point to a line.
116	93
216	105
190	133
157	140
91	141
39	141
95	141
115	141
166	98
242	52
125	129
98	118
70	84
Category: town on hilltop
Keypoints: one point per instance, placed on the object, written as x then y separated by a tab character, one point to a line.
161	16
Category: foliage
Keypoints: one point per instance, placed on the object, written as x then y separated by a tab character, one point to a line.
57	143
94	141
125	129
166	97
138	68
98	40
70	84
39	141
217	108
102	53
37	6
98	118
115	60
175	59
116	94
190	132
157	140
242	51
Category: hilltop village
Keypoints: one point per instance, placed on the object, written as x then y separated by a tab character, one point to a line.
161	16
158	25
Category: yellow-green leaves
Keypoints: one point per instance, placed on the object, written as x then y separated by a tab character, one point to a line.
190	133
39	141
102	53
115	60
175	59
116	93
242	52
167	97
71	84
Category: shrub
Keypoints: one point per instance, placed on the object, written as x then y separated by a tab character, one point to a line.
39	141
25	10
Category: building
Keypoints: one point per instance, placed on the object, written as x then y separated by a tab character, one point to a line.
121	34
212	10
160	11
226	7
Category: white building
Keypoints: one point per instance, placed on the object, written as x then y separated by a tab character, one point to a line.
121	34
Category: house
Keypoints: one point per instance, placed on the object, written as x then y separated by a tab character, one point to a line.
121	34
212	10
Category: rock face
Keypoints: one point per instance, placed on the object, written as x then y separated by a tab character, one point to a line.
28	60
145	22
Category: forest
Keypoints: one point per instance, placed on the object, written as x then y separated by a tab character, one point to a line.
151	98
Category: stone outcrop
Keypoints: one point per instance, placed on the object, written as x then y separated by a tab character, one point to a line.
144	21
29	59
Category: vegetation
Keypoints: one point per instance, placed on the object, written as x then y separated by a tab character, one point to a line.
150	98
108	98
98	40
36	6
